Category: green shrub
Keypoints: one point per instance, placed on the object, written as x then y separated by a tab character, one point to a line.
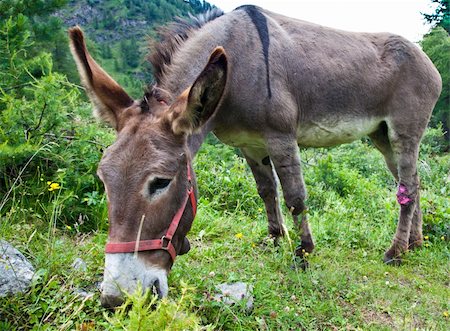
434	141
46	136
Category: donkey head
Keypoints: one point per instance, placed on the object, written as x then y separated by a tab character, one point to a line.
147	171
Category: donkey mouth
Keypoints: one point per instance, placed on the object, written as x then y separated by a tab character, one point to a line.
124	274
111	301
114	300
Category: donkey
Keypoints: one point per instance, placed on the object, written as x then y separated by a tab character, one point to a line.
264	83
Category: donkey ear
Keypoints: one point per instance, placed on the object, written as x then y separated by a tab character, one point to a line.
196	105
108	97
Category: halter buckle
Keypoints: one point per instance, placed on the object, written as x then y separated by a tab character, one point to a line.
165	243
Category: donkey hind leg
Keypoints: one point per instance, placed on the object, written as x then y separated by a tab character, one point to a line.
415	236
402	155
261	167
381	141
285	156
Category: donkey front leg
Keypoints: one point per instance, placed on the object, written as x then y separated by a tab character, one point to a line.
285	156
261	167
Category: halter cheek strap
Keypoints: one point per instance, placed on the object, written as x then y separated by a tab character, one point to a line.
165	242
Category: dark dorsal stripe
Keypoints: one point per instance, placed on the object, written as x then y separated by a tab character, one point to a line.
260	22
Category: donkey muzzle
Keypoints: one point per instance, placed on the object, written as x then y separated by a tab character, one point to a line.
125	273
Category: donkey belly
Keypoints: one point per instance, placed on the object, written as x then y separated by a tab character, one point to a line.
319	133
327	133
240	138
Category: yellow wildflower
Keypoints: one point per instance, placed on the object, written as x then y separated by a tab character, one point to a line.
239	235
443	238
446	314
53	186
426	237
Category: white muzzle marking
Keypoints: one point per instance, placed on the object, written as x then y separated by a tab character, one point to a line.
123	272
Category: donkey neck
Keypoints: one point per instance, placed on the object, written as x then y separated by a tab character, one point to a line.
189	59
187	63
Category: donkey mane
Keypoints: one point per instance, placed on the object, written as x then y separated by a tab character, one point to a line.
171	37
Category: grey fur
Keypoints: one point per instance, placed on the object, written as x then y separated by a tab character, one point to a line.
329	87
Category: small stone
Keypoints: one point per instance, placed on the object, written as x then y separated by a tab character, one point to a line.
79	265
16	272
231	294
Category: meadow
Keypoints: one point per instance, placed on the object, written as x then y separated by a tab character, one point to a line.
53	209
353	214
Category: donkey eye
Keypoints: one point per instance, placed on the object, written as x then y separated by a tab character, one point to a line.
158	184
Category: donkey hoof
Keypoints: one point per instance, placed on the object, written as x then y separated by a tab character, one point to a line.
392	259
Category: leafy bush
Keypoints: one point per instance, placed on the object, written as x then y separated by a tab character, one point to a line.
46	136
437	46
434	141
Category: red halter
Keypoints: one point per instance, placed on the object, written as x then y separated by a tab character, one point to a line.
165	243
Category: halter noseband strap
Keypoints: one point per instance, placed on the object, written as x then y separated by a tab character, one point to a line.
164	243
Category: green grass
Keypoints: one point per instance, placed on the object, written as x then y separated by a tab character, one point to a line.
353	214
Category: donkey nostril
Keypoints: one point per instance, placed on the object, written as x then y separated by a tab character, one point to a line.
111	301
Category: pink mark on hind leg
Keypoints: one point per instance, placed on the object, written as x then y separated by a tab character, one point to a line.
402	195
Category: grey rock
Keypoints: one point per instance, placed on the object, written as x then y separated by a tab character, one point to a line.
79	265
236	293
16	272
